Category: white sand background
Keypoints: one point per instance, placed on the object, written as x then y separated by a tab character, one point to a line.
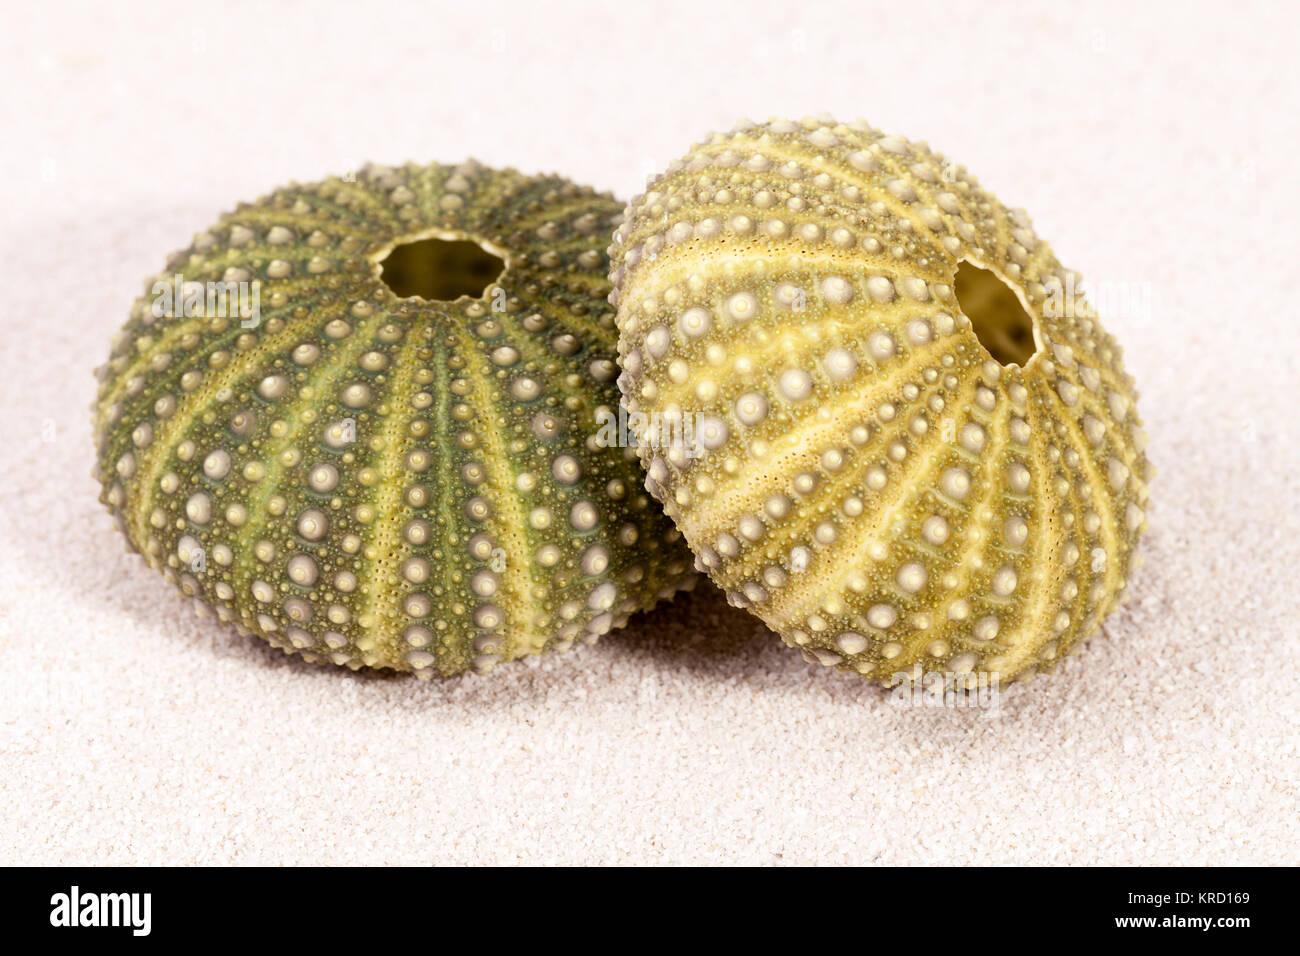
1155	147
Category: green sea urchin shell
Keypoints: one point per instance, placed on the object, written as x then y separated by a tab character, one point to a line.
367	479
872	482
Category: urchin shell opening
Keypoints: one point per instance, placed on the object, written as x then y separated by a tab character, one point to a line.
441	267
997	314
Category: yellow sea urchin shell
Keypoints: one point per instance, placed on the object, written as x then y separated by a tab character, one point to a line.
864	474
368	478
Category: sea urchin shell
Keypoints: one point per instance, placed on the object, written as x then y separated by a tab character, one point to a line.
912	455
373	478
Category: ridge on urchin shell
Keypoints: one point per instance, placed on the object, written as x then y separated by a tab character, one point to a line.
873	484
372	480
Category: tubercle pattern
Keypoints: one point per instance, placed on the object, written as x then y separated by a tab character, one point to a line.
368	480
868	480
